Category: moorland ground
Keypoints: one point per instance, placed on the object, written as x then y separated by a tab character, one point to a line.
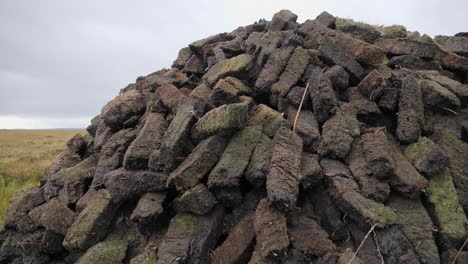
25	157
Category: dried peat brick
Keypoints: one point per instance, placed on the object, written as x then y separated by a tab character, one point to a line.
284	175
271	231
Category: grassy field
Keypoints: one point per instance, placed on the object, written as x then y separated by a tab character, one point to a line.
25	157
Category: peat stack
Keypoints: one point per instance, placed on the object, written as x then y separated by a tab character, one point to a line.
278	142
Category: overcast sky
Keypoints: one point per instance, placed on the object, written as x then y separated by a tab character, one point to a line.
61	61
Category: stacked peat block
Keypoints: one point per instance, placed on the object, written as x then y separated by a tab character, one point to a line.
215	161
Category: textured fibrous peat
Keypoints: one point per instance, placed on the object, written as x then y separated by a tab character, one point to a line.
278	142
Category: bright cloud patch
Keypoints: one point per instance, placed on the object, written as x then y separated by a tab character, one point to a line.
15	122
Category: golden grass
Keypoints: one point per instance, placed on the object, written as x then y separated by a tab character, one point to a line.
25	157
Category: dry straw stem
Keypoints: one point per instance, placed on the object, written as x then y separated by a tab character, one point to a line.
459	251
300	106
378	248
448	110
362	243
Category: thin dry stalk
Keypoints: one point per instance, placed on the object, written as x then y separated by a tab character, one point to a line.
459	251
362	243
379	253
300	106
449	110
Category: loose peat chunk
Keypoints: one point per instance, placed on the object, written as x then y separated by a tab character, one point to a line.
310	171
372	85
449	256
308	237
191	237
224	121
337	178
271	231
293	72
415	224
284	175
123	107
261	114
364	171
198	45
94	125
20	204
307	128
451	61
330	217
457	88
228	90
229	197
412	62
282	20
229	170
197	200
368	252
103	133
21	248
457	44
92	223
257	170
334	168
338	134
77	144
339	77
149	207
262	45
176	143
405	179
407	47
435	96
182	57
112	154
70	184
410	111
236	247
322	94
334	54
202	91
65	159
123	184
295	95
358	30
46	216
272	69
235	66
169	96
198	164
456	151
149	139
274	124
326	19
446	211
108	252
377	152
395	247
197	106
366	212
51	243
427	157
359	50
